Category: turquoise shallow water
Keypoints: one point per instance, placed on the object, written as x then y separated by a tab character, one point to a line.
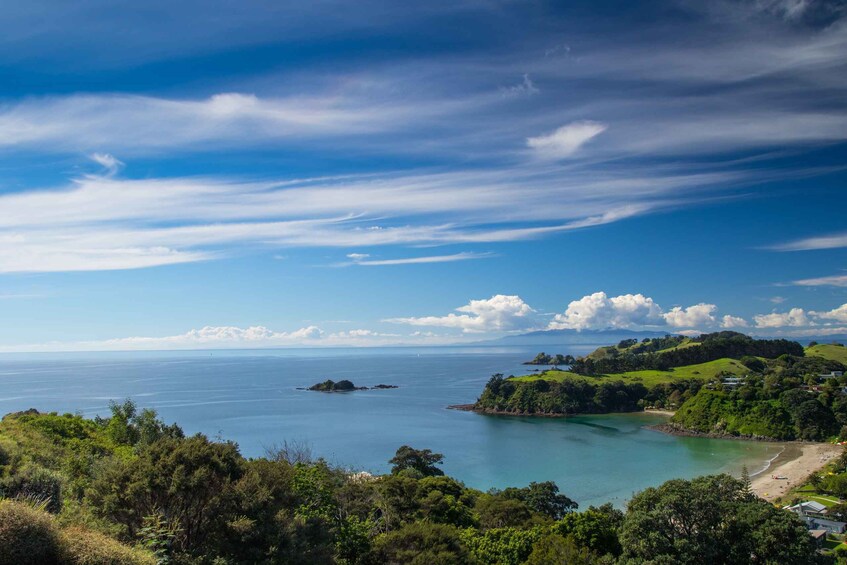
251	397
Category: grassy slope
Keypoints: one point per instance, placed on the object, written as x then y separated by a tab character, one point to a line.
649	378
601	352
828	351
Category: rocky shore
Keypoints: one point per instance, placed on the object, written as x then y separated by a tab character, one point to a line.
677	430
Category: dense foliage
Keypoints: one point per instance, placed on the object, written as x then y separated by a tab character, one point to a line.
776	405
569	396
129	489
707	347
712	520
544	359
781	394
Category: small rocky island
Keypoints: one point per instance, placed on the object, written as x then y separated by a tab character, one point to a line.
344	386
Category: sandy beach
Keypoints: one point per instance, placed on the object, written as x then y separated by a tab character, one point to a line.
659	411
796	462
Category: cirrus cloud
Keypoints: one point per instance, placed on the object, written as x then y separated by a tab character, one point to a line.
566	140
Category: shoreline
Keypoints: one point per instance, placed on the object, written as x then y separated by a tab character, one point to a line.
676	430
475	410
795	462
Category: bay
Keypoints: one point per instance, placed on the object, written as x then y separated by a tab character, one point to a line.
252	398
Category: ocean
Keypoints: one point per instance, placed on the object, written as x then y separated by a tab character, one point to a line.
252	397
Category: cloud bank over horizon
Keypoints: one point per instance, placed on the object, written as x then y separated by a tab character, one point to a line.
486	318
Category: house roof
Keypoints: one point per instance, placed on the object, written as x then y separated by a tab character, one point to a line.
818	534
808	506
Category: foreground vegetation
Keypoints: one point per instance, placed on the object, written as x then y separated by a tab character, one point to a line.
129	489
770	389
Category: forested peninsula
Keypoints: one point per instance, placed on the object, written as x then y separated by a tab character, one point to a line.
723	384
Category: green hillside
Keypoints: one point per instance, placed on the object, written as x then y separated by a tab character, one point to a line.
829	351
706	371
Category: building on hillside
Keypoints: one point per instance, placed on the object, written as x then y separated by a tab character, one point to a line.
732	382
808	507
814	514
832	375
832	526
819	536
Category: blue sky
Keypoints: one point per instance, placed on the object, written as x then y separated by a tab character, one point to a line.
252	174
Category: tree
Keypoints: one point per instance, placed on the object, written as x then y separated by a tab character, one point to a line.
596	529
189	480
495	511
543	498
556	549
814	421
421	543
711	520
419	461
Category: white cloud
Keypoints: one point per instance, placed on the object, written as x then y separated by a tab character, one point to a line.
796	317
833	241
730	322
140	124
834	280
525	88
218	336
566	140
108	162
598	311
777	299
360	259
838	314
361	334
228	337
103	222
496	314
699	315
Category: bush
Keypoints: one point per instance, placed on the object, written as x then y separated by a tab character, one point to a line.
37	484
84	547
28	535
422	544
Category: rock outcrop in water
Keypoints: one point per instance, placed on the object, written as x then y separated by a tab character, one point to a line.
344	386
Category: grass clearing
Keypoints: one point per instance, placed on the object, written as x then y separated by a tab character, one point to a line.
650	378
828	351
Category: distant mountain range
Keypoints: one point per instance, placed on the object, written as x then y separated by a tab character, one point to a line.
611	336
572	337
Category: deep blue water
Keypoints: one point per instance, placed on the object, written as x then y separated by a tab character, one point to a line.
251	397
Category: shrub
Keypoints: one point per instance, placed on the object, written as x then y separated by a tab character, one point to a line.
28	535
37	484
84	547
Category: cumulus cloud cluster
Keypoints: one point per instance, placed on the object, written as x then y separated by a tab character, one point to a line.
594	311
598	311
798	318
497	314
795	317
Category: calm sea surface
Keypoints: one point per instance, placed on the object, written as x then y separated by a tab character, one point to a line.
251	397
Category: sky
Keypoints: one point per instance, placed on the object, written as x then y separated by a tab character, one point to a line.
267	173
